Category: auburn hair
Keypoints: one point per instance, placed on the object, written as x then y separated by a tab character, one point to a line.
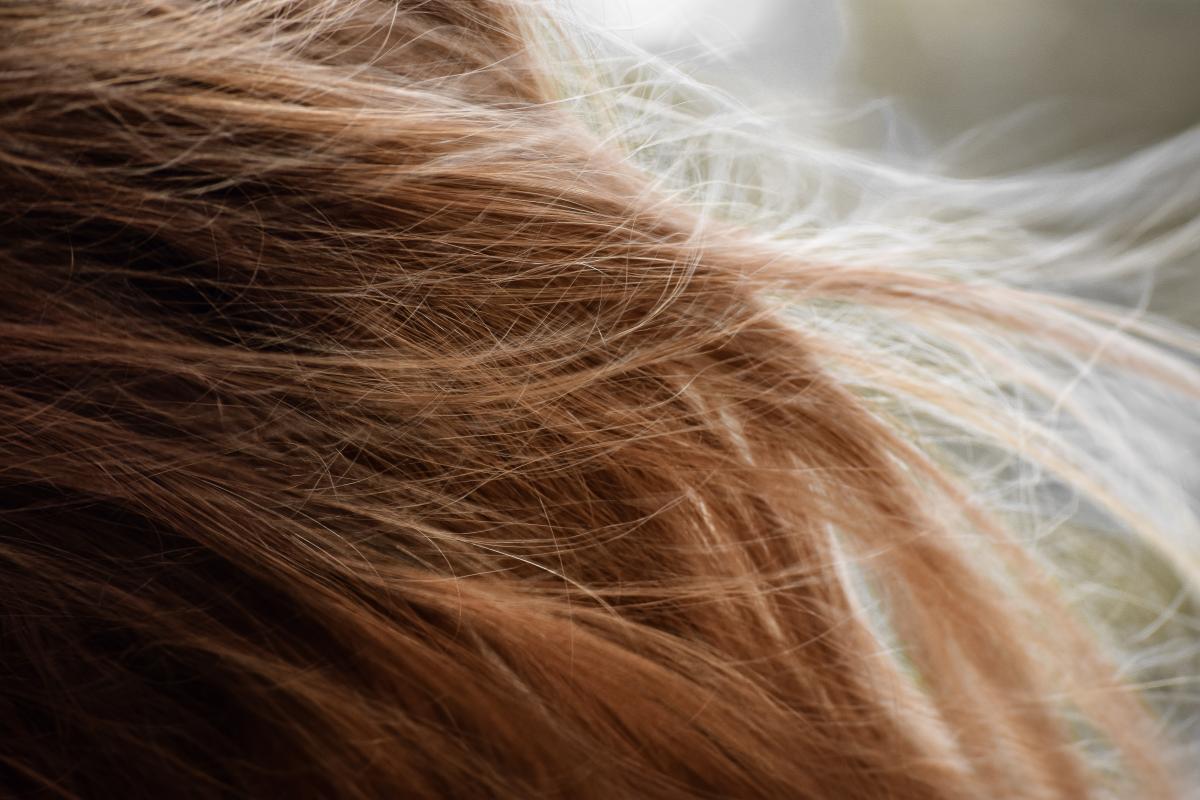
375	424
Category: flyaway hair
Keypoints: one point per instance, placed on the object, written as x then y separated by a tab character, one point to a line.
410	399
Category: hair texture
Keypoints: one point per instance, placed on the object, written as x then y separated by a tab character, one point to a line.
393	403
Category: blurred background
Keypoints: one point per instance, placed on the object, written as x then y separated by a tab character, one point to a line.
1051	79
979	88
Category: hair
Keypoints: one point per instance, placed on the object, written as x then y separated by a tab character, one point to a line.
384	414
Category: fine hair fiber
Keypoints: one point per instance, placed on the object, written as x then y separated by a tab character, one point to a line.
431	399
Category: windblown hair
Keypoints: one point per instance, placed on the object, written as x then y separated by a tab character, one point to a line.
376	423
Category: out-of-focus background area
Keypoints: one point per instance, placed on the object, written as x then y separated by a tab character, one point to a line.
1051	79
985	89
976	87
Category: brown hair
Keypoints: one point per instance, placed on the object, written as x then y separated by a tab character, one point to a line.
371	428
